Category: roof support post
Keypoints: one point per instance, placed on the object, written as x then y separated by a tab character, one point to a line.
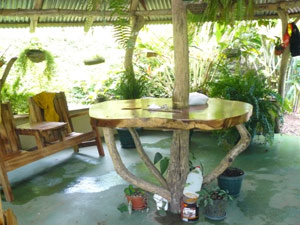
284	17
137	24
38	4
179	157
89	20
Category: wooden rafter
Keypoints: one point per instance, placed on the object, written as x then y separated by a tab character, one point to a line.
74	24
38	4
80	13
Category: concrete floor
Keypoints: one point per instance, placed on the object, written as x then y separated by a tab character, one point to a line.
82	189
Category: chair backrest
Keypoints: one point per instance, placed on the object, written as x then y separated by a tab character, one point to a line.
36	114
9	140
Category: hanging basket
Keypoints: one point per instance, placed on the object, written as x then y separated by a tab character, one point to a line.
36	55
196	8
94	60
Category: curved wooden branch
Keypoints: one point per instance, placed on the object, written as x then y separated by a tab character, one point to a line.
146	159
124	172
297	19
6	72
3	79
232	154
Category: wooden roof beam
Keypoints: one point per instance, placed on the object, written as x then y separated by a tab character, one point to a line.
79	13
38	4
258	7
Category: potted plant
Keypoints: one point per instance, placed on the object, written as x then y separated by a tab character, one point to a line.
231	180
251	86
129	87
34	53
136	197
215	202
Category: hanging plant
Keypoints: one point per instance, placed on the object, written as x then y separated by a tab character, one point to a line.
34	53
122	28
91	5
226	11
97	59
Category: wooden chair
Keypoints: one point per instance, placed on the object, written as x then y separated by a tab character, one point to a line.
36	115
7	217
11	154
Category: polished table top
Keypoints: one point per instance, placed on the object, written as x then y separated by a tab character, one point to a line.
216	114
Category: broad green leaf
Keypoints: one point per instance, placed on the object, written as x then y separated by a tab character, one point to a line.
157	157
164	163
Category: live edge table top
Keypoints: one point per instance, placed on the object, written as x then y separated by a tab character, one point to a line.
216	114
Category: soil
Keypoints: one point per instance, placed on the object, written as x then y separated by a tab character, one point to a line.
232	172
291	125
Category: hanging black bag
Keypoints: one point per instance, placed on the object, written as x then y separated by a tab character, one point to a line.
295	41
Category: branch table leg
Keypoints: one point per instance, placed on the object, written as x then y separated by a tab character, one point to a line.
146	159
124	172
232	154
178	167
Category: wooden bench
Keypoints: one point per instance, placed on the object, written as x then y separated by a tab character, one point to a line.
11	154
7	217
36	115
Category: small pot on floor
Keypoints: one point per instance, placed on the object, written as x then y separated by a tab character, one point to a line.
125	137
216	210
231	180
138	202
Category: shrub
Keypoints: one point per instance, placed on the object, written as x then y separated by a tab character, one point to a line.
250	86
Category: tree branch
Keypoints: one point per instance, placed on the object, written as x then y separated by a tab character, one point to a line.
232	154
146	159
124	172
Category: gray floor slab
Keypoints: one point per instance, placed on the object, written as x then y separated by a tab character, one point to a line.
83	189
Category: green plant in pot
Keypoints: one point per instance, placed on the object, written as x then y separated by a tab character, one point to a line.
231	180
32	54
136	198
214	202
130	86
251	86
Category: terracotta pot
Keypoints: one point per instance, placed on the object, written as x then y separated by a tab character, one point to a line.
138	202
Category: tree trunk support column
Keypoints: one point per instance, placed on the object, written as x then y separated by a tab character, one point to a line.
178	166
284	17
124	172
179	162
137	24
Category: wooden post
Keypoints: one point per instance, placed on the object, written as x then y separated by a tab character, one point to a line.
137	24
179	166
284	17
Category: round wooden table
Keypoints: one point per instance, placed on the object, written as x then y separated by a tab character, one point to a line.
217	114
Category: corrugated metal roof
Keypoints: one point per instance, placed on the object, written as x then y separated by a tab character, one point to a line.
19	13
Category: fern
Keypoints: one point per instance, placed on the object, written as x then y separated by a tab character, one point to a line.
250	86
122	28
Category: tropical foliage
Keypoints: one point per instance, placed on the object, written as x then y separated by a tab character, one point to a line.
125	86
122	26
17	96
207	196
249	85
227	11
